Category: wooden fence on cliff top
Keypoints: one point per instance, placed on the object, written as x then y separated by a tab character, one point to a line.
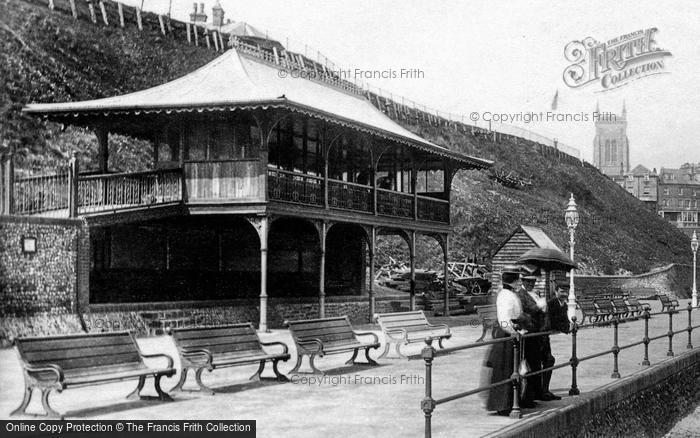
112	13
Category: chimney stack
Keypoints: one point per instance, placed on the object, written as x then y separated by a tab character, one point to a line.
198	16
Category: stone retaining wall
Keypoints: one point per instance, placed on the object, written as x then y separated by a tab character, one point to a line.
645	404
675	280
45	281
135	318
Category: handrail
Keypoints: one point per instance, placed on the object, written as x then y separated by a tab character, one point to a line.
340	181
129	174
298	174
428	354
429	198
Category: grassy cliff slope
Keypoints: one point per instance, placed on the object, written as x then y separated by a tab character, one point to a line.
48	56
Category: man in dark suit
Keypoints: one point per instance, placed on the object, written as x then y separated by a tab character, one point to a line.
534	308
557	319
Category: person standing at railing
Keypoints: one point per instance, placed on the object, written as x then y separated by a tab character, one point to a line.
499	358
557	319
535	308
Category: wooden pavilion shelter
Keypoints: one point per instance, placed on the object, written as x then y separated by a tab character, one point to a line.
262	184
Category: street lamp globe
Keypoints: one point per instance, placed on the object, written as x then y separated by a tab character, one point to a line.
571	214
694	242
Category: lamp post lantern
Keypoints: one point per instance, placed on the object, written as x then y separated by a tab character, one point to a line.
694	247
572	218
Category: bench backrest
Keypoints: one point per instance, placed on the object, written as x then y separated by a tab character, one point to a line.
218	339
487	312
664	299
604	305
619	304
336	330
586	306
634	302
81	350
408	320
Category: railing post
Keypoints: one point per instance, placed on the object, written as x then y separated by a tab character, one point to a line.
7	170
73	186
646	362
428	403
183	186
515	412
690	325
670	333
574	360
615	349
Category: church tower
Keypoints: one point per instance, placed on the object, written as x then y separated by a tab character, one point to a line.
611	153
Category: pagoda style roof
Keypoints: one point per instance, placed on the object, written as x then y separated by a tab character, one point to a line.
236	80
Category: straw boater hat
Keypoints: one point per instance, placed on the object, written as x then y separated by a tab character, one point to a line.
530	272
511	269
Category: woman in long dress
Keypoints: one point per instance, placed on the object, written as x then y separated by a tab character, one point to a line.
499	358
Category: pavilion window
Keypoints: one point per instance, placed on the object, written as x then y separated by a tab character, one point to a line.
223	140
294	146
168	147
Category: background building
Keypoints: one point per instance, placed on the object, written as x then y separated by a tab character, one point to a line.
679	196
611	153
642	183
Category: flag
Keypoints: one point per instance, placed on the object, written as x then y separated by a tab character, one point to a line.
555	101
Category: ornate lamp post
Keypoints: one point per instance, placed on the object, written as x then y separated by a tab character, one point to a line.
694	247
572	218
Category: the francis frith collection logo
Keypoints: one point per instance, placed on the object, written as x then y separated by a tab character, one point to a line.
616	62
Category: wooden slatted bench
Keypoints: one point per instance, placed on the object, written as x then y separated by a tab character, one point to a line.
620	307
60	362
589	310
402	328
605	308
319	337
489	318
209	348
639	308
667	304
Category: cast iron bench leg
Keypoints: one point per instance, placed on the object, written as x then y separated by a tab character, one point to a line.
371	361
440	339
202	386
259	371
136	392
351	361
280	377
483	332
161	395
398	353
385	352
22	409
298	365
45	403
313	367
181	382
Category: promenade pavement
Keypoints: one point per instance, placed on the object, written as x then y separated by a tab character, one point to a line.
382	401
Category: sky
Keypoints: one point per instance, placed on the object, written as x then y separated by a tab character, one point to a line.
505	57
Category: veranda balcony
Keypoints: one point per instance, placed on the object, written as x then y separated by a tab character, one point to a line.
309	190
67	193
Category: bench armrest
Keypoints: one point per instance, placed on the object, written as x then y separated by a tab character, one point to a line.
281	344
303	342
198	352
399	331
440	326
56	369
166	356
374	335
